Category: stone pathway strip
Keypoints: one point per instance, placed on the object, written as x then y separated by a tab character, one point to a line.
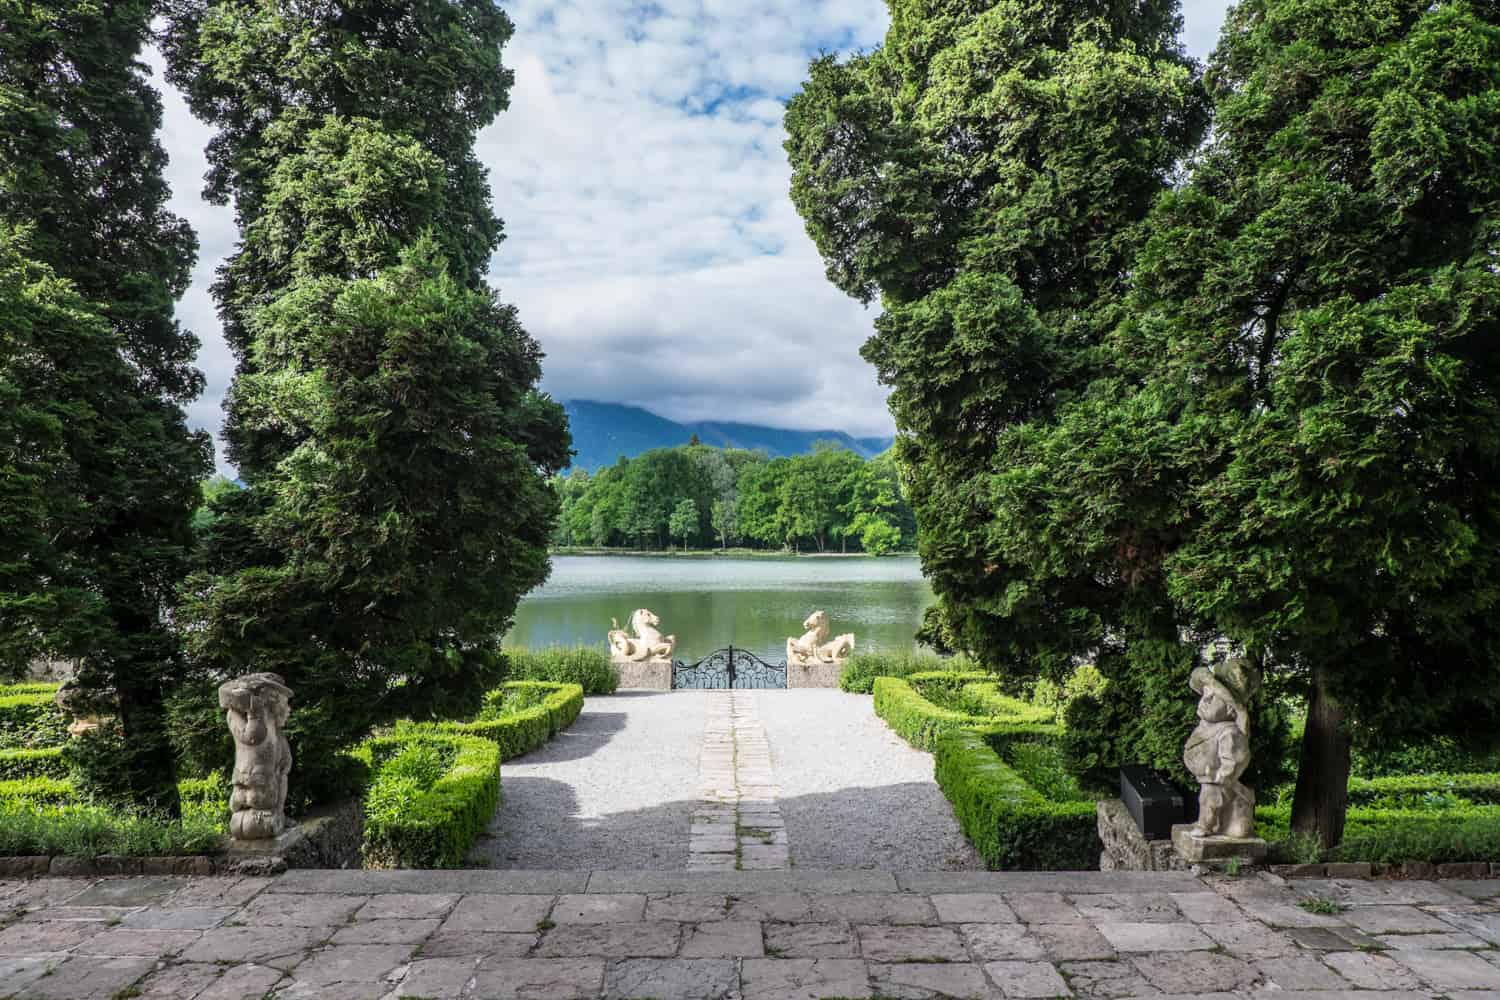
738	824
476	935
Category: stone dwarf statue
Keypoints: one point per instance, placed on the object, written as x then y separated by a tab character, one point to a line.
258	706
1218	751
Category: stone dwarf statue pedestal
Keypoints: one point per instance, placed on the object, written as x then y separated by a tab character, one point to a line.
641	655
815	659
1217	754
257	708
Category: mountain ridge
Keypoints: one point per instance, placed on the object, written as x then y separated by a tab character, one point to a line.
602	432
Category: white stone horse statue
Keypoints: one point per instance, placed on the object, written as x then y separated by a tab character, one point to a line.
814	646
646	644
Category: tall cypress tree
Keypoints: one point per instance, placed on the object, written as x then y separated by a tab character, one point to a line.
384	411
983	173
81	171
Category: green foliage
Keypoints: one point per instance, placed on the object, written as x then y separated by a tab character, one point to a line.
1392	836
84	831
29	720
1011	824
583	665
384	414
22	792
522	715
858	675
1043	766
1437	754
46	762
920	722
432	795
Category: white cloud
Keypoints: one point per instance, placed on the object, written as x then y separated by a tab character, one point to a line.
651	246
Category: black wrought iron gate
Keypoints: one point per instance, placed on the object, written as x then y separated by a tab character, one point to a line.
728	668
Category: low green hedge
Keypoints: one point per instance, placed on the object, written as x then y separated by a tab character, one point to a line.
858	675
1012	825
21	792
551	708
87	831
1476	788
422	814
28	718
585	666
920	722
978	694
46	762
1393	836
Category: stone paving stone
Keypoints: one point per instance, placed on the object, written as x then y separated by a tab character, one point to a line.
1371	971
179	919
1009	942
177	982
747	883
722	939
294	990
1106	980
310	910
407	906
1073	942
1280	912
386	931
354	963
1248	939
580	909
278	947
1027	979
712	845
1302	972
973	908
1049	882
1043	908
48	891
1142	907
685	978
926	979
762	857
89	979
133	941
219	890
17	972
539	978
437	978
874	908
1488	888
1430	942
498	913
137	891
242	982
69	912
788	907
468	881
1338	938
810	940
905	943
21	940
1132	936
1482	924
1197	972
1450	970
1369	892
804	978
1394	920
456	944
694	908
618	940
1207	908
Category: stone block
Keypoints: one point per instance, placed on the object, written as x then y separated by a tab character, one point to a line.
89	979
1027	979
804	979
723	939
24	866
1196	850
1073	942
498	913
599	909
1349	869
617	940
1134	936
1450	970
1198	972
817	675
407	906
973	908
903	943
539	978
926	979
278	947
437	978
653	675
689	979
810	940
1003	942
393	931
369	963
1371	971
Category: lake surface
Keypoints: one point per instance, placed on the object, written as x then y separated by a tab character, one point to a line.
710	603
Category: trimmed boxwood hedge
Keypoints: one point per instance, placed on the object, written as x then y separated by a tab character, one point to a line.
1477	788
586	666
1011	825
36	792
28	718
920	722
523	731
433	826
45	762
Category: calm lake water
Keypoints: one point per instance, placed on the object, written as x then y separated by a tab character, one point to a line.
710	603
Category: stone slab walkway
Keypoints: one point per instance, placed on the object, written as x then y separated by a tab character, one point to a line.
752	935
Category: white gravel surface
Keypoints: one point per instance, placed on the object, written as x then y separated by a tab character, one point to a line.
617	789
853	793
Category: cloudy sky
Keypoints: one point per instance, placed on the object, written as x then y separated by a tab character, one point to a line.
652	248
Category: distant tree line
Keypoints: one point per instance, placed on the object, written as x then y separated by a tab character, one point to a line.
831	500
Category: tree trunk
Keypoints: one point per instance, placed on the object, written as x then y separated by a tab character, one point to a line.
1321	803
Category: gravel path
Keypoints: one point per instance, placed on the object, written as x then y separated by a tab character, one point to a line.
617	790
613	791
853	793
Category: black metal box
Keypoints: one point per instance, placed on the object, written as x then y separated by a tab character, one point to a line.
1154	803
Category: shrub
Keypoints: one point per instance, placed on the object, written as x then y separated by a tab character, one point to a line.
28	718
582	665
432	794
975	694
859	673
550	709
87	831
1009	822
1424	791
1392	836
920	722
1043	767
1441	755
47	762
23	792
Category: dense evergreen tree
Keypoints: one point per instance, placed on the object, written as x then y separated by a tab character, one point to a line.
384	412
1302	439
984	173
104	512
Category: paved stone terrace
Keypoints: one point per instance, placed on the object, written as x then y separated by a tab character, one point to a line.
746	934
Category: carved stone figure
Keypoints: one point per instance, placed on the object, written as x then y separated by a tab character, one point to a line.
1218	751
258	706
81	710
814	646
647	642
